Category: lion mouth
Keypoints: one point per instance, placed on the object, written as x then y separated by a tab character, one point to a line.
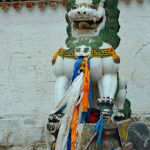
87	24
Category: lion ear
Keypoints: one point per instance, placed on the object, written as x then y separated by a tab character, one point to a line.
102	3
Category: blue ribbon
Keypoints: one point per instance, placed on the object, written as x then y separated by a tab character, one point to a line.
61	109
69	141
99	128
83	115
76	68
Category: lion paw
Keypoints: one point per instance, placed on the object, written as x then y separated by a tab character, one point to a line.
105	101
54	122
118	116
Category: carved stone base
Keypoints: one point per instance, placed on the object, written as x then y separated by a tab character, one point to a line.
113	137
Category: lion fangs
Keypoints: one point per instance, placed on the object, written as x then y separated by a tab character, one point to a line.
94	19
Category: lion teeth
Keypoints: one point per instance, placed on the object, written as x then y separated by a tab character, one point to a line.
84	25
93	26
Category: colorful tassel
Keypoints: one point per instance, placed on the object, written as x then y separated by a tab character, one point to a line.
74	124
85	100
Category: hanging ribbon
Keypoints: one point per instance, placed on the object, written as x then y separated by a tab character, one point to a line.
86	100
99	128
85	115
74	125
86	83
76	68
75	74
72	134
90	96
69	141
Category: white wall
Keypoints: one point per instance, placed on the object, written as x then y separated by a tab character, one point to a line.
28	40
134	51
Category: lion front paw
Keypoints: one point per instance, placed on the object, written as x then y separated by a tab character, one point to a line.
118	116
54	122
109	102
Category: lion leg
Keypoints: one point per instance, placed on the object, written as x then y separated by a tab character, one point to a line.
120	100
61	86
62	81
107	84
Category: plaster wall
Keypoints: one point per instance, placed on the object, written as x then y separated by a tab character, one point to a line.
28	40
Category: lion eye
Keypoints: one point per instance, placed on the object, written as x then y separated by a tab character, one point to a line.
86	50
94	6
78	50
74	7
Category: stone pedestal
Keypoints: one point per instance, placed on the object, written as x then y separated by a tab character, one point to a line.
114	137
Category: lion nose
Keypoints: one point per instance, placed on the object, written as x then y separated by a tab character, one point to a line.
81	13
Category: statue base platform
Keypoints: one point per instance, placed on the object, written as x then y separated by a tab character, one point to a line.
114	136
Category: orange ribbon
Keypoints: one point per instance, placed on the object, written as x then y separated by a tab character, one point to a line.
74	125
86	84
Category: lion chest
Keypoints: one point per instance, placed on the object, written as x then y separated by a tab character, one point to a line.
65	67
101	62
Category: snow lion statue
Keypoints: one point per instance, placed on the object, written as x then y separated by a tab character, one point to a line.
88	84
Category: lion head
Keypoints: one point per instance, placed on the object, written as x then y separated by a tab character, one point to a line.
87	18
92	22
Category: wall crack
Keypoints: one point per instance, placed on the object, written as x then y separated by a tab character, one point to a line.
136	54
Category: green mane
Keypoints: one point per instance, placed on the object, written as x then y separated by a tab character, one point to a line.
108	34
